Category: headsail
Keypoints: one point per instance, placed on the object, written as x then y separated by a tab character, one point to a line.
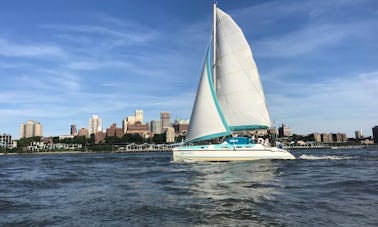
206	121
238	87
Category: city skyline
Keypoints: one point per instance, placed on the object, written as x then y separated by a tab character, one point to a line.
62	62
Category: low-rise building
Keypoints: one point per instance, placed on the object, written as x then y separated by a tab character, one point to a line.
6	141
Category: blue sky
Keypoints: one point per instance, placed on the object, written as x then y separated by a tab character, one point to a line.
63	61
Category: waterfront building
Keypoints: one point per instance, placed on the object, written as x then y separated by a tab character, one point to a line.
114	131
170	135
327	138
30	129
99	137
284	131
73	130
375	134
6	141
138	128
165	119
339	137
317	137
156	127
181	126
95	125
358	134
83	132
142	129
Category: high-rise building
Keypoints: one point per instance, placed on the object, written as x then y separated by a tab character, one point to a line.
156	127
327	138
95	125
181	126
124	125
284	131
83	132
30	129
114	131
358	134
131	120
375	134
170	135
339	137
317	137
100	137
165	119
73	130
139	116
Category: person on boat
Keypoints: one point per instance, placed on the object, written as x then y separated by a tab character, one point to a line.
266	142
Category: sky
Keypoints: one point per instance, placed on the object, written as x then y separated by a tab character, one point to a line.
61	62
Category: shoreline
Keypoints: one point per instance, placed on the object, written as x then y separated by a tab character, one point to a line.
80	152
375	146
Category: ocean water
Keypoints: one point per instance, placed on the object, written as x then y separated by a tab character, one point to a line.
320	188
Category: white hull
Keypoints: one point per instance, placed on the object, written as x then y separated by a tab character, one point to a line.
210	153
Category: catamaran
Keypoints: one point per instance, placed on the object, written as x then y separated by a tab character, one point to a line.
229	99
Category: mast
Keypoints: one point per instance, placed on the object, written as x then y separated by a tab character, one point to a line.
214	44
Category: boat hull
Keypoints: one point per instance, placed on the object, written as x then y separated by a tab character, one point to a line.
213	153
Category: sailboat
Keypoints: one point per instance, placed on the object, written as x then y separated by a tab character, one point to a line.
229	99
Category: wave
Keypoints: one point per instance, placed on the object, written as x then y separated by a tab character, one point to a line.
324	157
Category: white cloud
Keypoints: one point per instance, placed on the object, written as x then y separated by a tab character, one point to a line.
342	105
11	49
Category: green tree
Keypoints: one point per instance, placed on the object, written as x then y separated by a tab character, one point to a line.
159	138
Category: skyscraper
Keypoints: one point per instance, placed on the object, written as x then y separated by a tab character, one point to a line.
95	124
284	131
30	129
165	119
375	134
139	116
358	134
73	130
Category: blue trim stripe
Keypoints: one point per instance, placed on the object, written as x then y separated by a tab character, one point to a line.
248	127
211	136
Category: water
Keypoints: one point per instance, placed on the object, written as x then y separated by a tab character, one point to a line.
321	187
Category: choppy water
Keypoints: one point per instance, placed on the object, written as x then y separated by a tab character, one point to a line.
323	187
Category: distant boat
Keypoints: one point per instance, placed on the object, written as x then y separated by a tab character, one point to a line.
230	98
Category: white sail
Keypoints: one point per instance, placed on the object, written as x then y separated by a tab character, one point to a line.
206	121
238	85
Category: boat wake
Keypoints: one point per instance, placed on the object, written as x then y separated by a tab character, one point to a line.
324	157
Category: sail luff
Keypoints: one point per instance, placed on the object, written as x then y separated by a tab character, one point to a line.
214	45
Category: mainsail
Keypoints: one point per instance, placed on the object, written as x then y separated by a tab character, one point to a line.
236	101
238	87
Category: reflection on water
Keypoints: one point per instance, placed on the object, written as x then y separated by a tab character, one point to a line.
243	180
235	192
